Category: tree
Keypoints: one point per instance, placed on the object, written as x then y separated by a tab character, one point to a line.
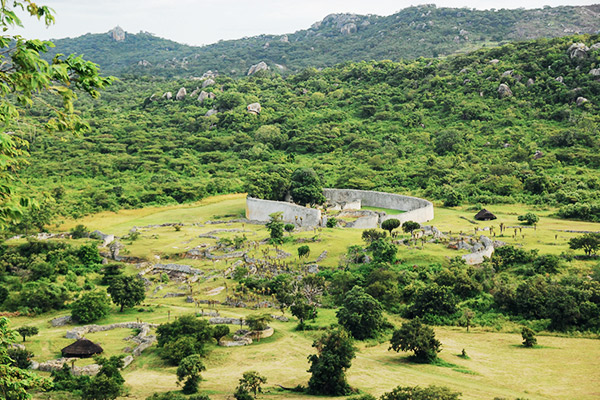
383	250
590	243
108	383
21	358
289	228
418	393
24	77
271	183
416	337
305	187
361	314
335	352
275	227
126	291
251	382
90	307
371	235
219	331
183	337
433	300
303	311
529	218
390	224
15	381
25	331
258	322
528	335
410	226
303	251
175	351
190	369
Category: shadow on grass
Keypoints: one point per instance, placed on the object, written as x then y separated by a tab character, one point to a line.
537	346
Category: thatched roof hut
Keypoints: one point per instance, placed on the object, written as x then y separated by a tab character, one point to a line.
82	348
484	215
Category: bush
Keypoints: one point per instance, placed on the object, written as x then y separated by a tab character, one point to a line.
529	218
361	314
418	393
528	335
332	222
416	337
90	307
21	358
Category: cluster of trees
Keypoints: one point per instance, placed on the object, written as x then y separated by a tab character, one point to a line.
419	127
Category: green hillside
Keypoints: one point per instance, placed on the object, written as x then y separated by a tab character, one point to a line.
430	127
422	31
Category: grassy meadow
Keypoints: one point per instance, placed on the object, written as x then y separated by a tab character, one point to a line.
559	367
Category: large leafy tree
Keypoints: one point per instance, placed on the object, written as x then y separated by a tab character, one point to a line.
126	291
416	337
27	79
335	352
14	381
306	188
189	370
361	314
90	307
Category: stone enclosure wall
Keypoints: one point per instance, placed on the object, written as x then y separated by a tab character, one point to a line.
259	210
416	209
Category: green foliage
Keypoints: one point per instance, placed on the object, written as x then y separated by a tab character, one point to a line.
383	250
89	255
15	382
90	307
25	331
303	251
419	393
189	369
416	337
177	396
289	228
410	226
250	382
220	331
529	218
305	187
390	224
270	183
21	358
63	379
528	335
258	322
433	300
589	242
79	232
126	291
361	314
335	352
331	222
28	77
185	336
275	227
371	235
302	310
110	271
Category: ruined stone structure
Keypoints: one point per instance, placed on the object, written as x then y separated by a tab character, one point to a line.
415	209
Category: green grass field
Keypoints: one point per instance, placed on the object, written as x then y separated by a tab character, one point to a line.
560	368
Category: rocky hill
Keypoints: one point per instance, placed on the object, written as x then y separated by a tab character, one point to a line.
422	31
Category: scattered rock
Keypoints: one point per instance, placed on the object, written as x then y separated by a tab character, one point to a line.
210	112
205	95
595	72
181	93
530	82
174	294
322	256
189	299
208	82
494	61
144	63
254	108
578	50
507	73
581	100
61	321
261	66
504	90
538	154
280	318
559	79
349	28
117	34
312	268
284	39
167	95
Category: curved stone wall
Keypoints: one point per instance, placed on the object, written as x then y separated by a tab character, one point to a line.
259	210
415	209
418	210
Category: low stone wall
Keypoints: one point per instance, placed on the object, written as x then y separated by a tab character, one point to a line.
417	210
257	209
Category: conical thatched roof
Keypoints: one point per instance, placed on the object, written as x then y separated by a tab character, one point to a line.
484	215
81	348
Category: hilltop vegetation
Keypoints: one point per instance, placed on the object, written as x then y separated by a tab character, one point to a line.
435	128
421	31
